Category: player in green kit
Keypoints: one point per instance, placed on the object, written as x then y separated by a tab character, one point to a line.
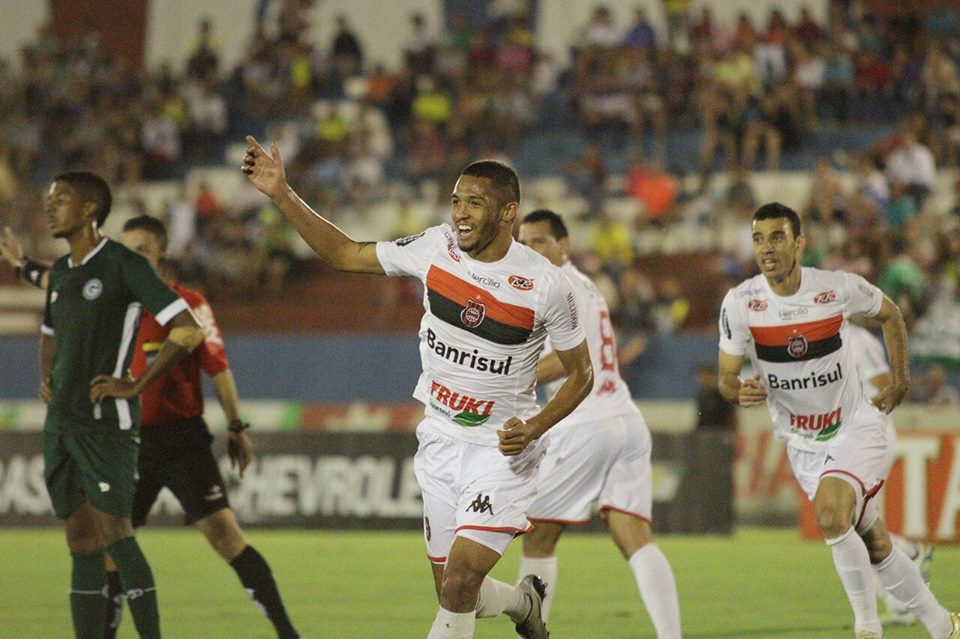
91	433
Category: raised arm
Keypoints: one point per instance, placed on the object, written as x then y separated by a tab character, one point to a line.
32	271
517	434
266	172
895	338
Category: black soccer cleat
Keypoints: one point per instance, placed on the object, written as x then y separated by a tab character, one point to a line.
533	627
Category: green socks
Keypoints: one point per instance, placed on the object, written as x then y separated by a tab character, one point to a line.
138	587
87	603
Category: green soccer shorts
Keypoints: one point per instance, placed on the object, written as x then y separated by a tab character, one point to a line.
96	463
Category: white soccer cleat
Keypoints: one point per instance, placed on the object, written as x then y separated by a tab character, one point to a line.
955	619
532	627
867	634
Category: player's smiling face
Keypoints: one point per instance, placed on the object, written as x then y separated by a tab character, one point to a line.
775	248
476	213
66	212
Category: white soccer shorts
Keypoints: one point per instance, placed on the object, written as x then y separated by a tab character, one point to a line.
473	491
860	454
607	462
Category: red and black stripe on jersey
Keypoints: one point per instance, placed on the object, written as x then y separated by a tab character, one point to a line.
798	342
499	322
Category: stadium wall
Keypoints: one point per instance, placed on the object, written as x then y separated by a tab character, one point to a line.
347	368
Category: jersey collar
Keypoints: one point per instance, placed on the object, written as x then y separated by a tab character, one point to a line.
89	256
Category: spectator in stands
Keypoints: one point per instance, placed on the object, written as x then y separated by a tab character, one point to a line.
671	309
900	208
912	164
420	46
610	242
655	188
587	177
642	34
205	57
160	139
807	29
713	411
933	389
940	75
600	33
346	49
677	13
901	278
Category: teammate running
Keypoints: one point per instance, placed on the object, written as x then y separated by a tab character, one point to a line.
489	305
793	321
601	451
874	372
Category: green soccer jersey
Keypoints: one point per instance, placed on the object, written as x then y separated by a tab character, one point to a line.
93	310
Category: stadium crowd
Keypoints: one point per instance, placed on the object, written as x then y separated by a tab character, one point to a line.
357	134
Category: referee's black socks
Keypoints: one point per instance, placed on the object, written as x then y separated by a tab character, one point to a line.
257	580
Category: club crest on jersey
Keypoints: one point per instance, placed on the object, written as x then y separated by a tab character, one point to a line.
757	305
520	283
797	346
92	289
825	298
473	314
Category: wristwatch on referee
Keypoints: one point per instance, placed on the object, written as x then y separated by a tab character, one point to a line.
238	426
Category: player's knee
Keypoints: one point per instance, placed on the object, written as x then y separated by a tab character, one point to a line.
83	539
460	587
832	520
540	543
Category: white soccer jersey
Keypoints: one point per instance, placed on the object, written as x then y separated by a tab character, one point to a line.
483	329
870	357
799	348
610	395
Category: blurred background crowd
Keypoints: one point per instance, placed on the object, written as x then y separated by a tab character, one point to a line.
655	142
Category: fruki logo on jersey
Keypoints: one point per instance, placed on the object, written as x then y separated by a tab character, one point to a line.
473	314
757	305
825	425
464	410
825	298
520	283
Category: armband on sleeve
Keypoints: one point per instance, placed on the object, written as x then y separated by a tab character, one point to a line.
31	271
186	337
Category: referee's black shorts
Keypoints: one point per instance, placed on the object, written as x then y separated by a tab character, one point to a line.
178	456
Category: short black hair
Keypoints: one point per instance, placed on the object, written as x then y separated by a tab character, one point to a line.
504	178
557	228
151	225
774	210
92	188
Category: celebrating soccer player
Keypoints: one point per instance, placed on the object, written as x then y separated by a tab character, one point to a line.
490	303
793	322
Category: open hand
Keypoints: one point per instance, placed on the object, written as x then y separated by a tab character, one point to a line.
240	450
264	170
10	248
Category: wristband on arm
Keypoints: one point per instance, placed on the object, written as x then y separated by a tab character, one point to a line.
30	270
238	426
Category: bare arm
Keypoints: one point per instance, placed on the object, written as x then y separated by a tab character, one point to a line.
177	346
549	368
30	270
517	434
239	447
895	338
48	347
745	392
266	172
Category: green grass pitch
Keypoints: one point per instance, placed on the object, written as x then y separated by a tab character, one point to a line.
759	583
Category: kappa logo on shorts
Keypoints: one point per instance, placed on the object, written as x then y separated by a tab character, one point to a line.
104	487
481	504
214	493
92	289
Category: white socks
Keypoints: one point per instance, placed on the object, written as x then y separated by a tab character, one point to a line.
657	589
452	625
546	569
852	561
497	597
902	579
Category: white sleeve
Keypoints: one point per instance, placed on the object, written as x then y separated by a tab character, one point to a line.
410	255
862	296
561	317
734	333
